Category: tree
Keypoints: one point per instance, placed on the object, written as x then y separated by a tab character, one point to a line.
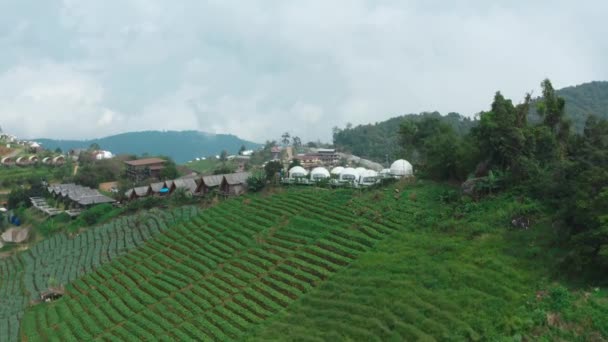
242	149
256	182
272	168
58	150
285	138
224	156
169	170
94	147
296	142
294	162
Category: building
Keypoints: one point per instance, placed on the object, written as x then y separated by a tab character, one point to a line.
208	183
77	196
276	152
188	184
322	156
141	169
328	156
234	184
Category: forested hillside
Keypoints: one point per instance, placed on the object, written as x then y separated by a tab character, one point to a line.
180	146
376	141
583	100
380	141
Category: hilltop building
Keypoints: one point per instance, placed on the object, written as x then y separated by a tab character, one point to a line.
141	169
322	156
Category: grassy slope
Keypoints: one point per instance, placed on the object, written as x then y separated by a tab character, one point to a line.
331	266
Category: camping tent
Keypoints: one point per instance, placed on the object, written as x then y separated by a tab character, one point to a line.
336	171
349	175
402	168
319	173
368	177
297	172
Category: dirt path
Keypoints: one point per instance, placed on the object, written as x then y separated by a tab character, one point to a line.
75	169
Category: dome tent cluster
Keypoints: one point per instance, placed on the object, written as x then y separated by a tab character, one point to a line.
340	176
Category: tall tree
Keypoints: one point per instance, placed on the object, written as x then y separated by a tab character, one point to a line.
285	138
296	142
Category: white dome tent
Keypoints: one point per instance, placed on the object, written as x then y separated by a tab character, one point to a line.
385	173
368	177
361	170
297	172
319	173
349	175
336	171
402	168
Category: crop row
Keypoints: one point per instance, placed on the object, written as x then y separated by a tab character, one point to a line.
60	259
217	275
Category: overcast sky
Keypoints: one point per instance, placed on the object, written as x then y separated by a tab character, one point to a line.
256	68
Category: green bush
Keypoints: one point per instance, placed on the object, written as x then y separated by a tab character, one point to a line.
94	215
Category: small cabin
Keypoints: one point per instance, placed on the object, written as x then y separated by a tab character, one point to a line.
234	184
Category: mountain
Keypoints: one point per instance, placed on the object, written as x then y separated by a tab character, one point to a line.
585	99
182	146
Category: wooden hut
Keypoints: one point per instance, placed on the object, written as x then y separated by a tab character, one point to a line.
208	183
234	184
22	161
7	161
188	184
58	161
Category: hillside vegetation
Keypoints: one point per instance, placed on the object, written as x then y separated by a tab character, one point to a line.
332	265
375	141
180	146
61	259
380	140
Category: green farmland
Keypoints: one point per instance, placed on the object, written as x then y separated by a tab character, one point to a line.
328	265
60	260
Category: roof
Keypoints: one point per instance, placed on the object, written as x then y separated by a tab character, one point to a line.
155	187
188	184
401	168
95	199
143	162
213	180
141	191
319	172
237	178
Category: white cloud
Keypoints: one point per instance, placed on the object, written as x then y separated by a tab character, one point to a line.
48	99
258	68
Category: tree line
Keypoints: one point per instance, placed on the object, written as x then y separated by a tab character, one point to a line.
529	148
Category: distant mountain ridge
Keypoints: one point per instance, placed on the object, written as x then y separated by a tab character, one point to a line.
585	99
182	146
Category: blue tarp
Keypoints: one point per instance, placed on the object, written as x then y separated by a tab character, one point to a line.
164	190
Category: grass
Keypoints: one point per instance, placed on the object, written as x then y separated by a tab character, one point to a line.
208	165
400	263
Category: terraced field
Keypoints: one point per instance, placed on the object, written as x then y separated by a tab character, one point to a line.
60	260
437	288
306	264
213	278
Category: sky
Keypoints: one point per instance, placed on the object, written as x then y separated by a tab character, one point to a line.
76	69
